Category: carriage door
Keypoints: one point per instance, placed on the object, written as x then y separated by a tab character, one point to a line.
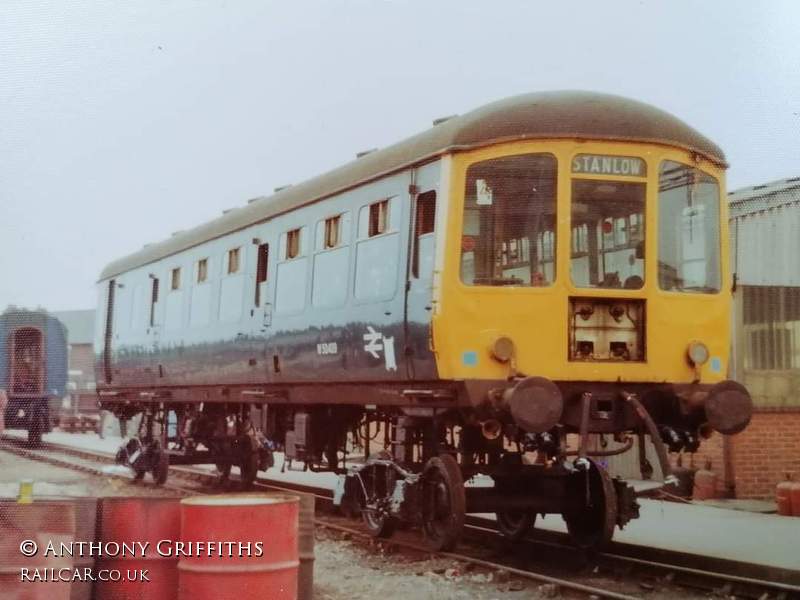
109	332
262	300
420	283
27	362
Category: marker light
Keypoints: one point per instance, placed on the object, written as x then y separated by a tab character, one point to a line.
502	349
698	353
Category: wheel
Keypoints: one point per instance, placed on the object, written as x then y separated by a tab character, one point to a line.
160	467
514	524
378	523
591	526
443	502
379	482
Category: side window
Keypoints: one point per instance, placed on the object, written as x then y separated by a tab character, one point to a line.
424	224
262	263
378	218
332	232
176	279
202	270
292	244
233	261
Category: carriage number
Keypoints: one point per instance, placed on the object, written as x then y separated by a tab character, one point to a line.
327	348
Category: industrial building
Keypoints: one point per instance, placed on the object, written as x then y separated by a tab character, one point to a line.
81	397
765	257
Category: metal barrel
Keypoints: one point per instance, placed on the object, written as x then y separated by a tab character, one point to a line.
305	574
42	523
145	530
85	531
249	547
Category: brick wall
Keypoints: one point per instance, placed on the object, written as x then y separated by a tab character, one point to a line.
762	454
765	451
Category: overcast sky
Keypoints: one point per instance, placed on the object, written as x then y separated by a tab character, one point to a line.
121	122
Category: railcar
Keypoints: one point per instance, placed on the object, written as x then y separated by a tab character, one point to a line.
33	369
501	295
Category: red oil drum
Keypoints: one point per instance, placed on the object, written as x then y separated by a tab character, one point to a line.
794	494
305	543
783	496
138	528
3	404
705	484
241	546
40	576
85	531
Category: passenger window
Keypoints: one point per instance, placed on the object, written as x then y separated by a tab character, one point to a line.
261	270
424	223
202	270
378	218
292	244
176	279
332	232
233	261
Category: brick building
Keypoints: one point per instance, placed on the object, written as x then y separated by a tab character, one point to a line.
80	340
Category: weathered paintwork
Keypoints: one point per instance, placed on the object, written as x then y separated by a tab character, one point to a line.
536	318
383	336
441	329
54	340
55	344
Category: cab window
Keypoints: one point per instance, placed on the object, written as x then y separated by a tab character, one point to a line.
509	232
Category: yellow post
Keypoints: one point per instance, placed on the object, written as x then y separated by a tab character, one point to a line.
25	492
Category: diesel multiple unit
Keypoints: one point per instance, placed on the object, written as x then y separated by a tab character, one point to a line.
501	295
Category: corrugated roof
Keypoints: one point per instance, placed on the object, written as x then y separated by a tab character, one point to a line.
553	115
765	233
79	324
752	199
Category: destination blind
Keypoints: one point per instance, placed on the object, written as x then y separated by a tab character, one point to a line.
600	164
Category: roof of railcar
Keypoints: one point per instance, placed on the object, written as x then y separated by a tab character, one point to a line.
569	114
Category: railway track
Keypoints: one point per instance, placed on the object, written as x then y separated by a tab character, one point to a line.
484	547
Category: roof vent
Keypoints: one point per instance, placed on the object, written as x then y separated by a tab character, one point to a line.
227	210
365	152
174	233
793	179
760	187
254	199
147	245
441	120
280	188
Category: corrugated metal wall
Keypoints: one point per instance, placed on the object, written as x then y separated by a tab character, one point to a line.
765	255
765	241
771	324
